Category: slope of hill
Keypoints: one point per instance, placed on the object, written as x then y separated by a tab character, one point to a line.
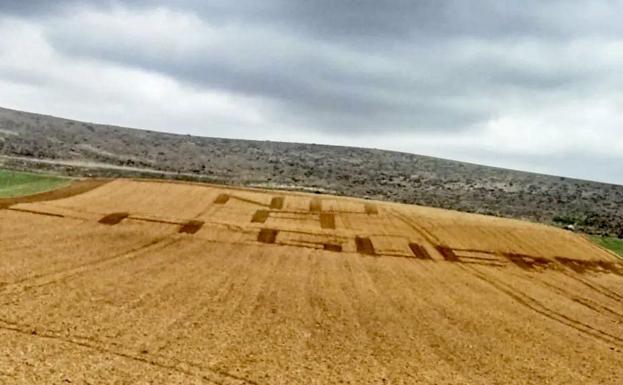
186	283
30	141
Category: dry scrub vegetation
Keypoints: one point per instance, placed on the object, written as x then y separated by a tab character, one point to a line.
36	142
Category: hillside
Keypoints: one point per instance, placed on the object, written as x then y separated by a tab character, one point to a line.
137	281
30	141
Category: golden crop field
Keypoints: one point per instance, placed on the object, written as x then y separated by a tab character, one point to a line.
145	282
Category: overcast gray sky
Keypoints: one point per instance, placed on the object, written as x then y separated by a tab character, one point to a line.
531	84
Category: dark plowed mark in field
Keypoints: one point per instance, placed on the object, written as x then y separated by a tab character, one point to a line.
221	199
315	205
528	262
419	251
155	220
327	221
260	216
587	302
447	253
581	267
191	227
36	212
267	236
276	203
485	258
114	218
249	201
371	209
332	247
364	246
593	285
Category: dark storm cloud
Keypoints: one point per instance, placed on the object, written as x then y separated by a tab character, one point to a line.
34	7
374	18
314	88
481	18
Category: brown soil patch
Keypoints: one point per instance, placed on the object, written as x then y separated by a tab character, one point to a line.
315	205
75	188
419	251
528	262
221	199
114	218
267	236
596	266
276	203
327	220
371	209
332	247
191	227
364	246
447	253
260	216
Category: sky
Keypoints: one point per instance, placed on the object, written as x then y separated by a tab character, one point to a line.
532	85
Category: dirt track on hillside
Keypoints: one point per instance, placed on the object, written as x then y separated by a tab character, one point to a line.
140	282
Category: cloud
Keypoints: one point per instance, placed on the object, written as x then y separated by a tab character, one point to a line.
314	82
373	19
503	83
33	76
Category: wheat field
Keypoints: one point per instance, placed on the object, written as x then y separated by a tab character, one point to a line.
148	282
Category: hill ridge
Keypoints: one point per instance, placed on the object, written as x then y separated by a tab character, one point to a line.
35	141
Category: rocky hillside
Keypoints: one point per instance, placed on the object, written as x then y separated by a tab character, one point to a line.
31	141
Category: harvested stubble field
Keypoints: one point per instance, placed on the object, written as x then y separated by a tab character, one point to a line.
179	283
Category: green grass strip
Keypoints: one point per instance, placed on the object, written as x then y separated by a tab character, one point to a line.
610	243
15	183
